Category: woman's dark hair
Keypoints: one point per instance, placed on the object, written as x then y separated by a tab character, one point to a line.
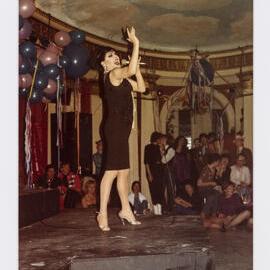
135	183
211	158
101	57
177	141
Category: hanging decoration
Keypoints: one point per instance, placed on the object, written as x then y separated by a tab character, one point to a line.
199	84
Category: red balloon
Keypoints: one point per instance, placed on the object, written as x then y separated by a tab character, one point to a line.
53	48
26	8
25	31
62	38
51	87
47	58
25	80
39	51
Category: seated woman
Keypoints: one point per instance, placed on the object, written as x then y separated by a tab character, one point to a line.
231	211
89	191
137	200
49	179
208	187
223	170
188	201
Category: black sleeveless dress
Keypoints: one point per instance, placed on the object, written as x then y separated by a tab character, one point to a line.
117	123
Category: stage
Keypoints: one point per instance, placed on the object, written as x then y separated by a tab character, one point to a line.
71	240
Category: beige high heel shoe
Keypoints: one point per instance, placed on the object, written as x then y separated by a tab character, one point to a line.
104	228
131	220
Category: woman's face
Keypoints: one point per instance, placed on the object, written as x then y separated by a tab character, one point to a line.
92	189
224	162
111	61
229	191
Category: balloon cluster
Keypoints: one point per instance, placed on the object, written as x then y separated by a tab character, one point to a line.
67	51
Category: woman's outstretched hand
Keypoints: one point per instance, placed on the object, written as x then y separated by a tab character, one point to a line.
132	35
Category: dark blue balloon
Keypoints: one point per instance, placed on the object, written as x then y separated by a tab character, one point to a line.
52	71
21	22
79	57
36	96
77	36
41	81
64	61
25	66
24	92
28	49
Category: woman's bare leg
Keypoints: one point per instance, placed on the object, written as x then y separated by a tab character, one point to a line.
122	187
239	218
105	190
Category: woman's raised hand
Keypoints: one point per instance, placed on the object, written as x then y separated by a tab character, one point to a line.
132	35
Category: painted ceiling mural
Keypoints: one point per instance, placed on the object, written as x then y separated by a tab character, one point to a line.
171	25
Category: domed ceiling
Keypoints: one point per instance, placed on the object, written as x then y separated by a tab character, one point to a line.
164	25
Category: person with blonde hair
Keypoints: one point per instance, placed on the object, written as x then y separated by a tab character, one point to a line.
89	191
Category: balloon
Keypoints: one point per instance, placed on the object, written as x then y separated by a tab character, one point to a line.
208	73
77	71
41	81
77	36
39	51
25	31
36	96
54	48
25	80
21	22
47	58
52	71
28	49
24	91
26	8
25	66
62	38
79	56
51	87
64	61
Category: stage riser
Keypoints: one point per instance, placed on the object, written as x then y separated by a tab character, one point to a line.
37	205
187	261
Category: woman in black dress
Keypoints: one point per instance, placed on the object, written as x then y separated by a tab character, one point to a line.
117	126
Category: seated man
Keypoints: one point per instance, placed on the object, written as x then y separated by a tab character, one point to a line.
89	191
188	201
137	200
240	174
70	187
49	179
231	211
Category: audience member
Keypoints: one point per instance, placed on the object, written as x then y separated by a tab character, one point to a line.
208	187
195	164
181	163
153	166
223	170
203	152
89	193
168	190
137	200
70	187
97	158
188	201
231	211
240	149
49	179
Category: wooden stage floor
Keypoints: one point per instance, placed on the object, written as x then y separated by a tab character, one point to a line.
72	238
